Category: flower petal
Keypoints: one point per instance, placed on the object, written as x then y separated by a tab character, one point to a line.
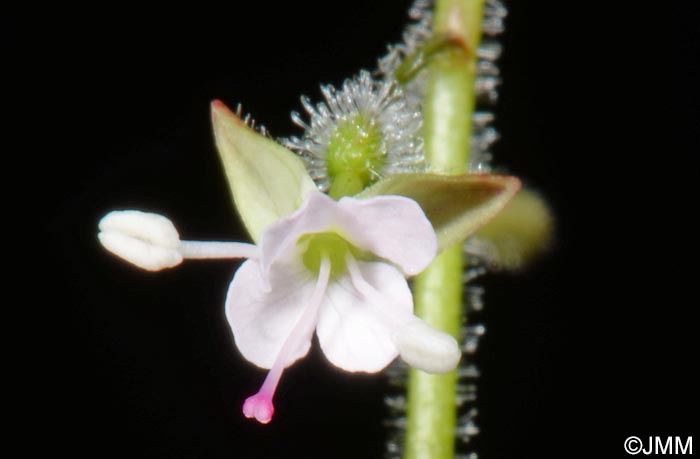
391	227
262	318
355	332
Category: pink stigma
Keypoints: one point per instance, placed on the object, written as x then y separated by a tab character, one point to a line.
259	406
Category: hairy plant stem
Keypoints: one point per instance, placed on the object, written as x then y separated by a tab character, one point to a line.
447	112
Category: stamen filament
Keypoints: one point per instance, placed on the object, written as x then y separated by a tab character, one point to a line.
359	282
260	405
373	296
213	250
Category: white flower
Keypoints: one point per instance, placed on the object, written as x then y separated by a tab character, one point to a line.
336	268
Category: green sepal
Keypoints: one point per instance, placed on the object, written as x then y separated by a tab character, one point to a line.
267	181
456	205
519	233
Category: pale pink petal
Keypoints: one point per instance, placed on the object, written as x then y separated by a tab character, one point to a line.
262	318
391	227
355	327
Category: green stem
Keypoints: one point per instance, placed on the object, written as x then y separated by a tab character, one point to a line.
346	183
447	112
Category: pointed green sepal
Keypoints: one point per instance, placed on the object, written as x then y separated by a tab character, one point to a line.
267	181
519	233
456	205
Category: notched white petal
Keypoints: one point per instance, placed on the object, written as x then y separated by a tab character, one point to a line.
426	348
147	240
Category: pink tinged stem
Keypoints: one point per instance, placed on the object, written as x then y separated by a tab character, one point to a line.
259	406
208	250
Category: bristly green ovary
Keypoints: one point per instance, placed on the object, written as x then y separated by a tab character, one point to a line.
356	153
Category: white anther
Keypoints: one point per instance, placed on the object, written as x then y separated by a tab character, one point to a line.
149	241
426	348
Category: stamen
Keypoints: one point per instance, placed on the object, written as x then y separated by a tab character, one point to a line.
374	297
359	282
427	348
259	406
212	250
147	240
370	293
150	241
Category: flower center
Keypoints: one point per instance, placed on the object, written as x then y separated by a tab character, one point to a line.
329	245
355	154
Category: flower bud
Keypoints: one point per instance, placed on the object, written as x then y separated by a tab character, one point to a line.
147	240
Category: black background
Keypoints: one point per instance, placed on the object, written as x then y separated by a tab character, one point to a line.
590	345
